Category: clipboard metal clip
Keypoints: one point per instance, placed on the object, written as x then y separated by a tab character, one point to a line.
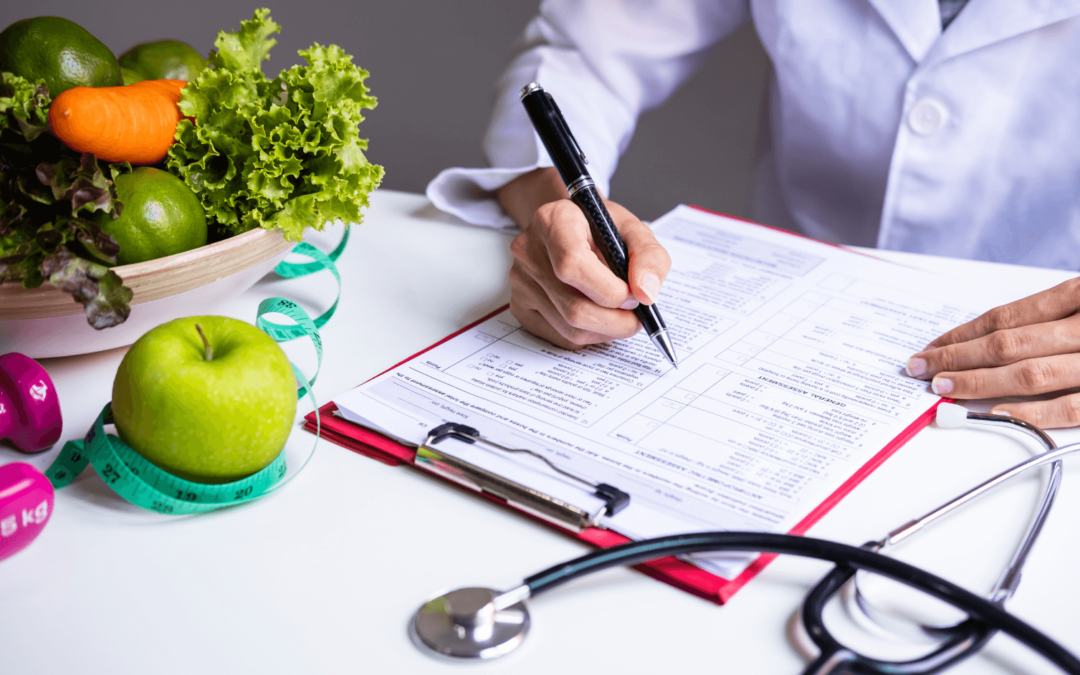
533	501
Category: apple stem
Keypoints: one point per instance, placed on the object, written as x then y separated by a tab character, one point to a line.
206	343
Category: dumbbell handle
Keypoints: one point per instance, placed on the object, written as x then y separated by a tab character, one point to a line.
9	417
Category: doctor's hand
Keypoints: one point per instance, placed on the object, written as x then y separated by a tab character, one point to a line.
1028	347
560	287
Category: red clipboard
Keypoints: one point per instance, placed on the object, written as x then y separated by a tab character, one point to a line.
670	570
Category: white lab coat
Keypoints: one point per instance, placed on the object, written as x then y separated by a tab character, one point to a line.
885	131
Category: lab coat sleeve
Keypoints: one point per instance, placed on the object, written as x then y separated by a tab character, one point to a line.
605	62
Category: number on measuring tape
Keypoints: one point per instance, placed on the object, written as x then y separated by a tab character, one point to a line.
110	474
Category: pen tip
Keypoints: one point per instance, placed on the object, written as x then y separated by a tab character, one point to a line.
663	343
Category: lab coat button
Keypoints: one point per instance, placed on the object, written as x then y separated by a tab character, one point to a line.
927	117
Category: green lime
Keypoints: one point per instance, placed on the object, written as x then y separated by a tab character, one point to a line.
163	60
130	76
58	51
161	216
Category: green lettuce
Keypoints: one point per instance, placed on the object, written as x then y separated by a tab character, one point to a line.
49	196
24	106
280	154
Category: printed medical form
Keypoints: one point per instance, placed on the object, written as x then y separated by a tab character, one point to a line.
791	379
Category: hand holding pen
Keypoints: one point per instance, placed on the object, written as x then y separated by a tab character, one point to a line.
561	287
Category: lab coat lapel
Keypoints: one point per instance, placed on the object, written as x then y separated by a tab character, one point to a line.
984	22
916	23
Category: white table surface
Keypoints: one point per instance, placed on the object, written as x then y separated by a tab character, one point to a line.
323	576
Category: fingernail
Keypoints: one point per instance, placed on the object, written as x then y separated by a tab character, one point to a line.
941	385
932	345
1003	413
916	367
650	285
630	304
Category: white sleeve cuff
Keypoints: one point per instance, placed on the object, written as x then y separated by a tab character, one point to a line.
469	194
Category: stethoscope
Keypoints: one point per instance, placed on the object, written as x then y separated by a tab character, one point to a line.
481	623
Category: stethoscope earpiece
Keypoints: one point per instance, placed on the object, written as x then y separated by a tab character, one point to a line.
951	416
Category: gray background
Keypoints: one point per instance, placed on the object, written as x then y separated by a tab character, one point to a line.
433	64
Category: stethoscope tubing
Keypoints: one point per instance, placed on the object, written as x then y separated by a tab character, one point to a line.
853	557
958	641
1009	581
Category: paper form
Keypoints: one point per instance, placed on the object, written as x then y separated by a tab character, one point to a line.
791	379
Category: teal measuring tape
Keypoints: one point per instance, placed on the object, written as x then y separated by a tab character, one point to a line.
319	261
144	484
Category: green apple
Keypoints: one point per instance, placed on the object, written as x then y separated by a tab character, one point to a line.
208	398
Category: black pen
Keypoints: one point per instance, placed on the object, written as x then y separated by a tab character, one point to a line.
570	161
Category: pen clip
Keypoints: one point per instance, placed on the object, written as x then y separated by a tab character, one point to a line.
566	129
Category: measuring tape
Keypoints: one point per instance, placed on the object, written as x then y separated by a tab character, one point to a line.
320	262
135	479
144	484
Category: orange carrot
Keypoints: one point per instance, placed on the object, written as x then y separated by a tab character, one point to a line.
133	124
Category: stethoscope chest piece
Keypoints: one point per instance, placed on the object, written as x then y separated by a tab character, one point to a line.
466	624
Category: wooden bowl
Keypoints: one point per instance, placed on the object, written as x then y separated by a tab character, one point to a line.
46	322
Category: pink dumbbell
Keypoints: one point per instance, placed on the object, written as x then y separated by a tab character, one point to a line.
26	502
29	408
